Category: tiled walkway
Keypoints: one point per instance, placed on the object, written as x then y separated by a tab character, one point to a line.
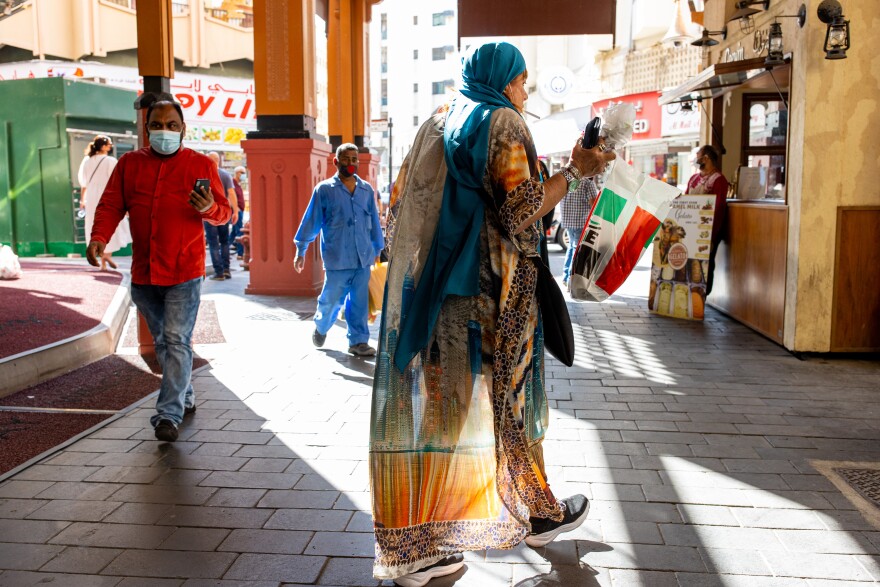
695	443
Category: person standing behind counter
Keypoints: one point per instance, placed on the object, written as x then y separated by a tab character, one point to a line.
710	180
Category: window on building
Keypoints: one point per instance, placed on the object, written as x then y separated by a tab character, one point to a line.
441	18
764	133
440	53
415	120
384	92
384	27
415	88
415	20
439	88
384	60
415	54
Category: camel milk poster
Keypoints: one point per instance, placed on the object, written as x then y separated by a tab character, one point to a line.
681	258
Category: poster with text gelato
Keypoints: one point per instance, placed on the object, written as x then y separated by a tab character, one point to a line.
681	258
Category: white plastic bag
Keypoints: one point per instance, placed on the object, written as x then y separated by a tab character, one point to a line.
621	225
10	268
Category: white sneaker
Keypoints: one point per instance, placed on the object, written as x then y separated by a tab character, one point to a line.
447	566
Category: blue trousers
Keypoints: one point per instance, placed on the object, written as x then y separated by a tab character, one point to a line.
349	288
573	236
218	244
236	232
170	312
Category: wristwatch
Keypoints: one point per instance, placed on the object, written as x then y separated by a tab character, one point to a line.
572	175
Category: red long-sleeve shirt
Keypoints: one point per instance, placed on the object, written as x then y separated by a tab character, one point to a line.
167	233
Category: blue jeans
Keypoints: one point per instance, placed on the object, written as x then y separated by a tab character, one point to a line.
236	232
170	312
351	288
218	243
573	235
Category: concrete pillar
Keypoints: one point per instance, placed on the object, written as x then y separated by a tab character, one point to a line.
156	66
348	79
285	156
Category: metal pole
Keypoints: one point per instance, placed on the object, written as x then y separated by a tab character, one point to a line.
390	152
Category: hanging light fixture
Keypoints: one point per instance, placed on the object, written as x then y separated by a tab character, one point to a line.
775	55
775	49
745	13
680	30
837	37
706	41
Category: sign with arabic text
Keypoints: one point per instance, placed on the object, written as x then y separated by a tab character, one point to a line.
218	111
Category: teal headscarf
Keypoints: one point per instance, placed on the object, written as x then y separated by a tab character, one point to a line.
453	264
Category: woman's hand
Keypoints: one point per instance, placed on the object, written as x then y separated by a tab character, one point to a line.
591	162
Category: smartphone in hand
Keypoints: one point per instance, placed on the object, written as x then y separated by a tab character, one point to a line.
202	183
197	188
591	133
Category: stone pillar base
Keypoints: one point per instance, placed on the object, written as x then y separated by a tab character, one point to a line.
282	174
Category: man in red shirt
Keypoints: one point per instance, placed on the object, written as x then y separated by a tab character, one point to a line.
155	186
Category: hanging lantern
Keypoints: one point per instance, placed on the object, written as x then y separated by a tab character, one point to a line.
774	46
837	38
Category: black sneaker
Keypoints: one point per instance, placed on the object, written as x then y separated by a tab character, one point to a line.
318	338
227	274
189	411
447	566
362	349
166	431
545	531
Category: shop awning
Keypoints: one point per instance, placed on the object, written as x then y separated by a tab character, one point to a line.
558	132
721	78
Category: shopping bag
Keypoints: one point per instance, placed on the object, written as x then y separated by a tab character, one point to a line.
621	225
10	268
378	273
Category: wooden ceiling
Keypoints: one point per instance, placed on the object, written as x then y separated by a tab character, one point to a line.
513	18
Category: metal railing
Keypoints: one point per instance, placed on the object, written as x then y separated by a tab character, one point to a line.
178	7
8	7
241	19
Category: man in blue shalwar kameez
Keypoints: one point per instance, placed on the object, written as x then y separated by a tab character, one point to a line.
343	210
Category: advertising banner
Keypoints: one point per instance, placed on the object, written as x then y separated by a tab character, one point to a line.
218	111
681	258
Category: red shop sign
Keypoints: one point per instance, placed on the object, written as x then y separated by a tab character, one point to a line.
648	113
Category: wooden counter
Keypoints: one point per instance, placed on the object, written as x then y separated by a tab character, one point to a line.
749	279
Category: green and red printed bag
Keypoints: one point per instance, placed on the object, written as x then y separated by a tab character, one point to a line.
621	225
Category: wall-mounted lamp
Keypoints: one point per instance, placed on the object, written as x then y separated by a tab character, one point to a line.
775	49
705	41
774	46
744	14
837	36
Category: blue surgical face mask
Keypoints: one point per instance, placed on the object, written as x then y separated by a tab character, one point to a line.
166	142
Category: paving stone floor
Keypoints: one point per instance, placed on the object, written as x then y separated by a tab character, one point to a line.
696	443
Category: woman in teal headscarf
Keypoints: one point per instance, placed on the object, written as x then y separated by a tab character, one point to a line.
459	408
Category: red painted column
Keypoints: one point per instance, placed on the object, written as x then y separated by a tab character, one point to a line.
368	168
283	173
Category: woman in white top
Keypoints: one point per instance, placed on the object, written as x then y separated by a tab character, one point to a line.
94	172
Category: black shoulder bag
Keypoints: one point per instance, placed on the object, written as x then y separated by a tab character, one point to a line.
558	334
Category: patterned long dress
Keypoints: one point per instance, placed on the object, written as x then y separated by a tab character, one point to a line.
455	453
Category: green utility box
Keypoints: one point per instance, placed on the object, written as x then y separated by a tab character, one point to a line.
45	127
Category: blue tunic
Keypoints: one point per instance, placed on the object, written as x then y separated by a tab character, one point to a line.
351	235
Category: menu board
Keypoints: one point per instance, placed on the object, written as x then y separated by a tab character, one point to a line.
681	258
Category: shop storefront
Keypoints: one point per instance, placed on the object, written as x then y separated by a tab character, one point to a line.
799	147
663	137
